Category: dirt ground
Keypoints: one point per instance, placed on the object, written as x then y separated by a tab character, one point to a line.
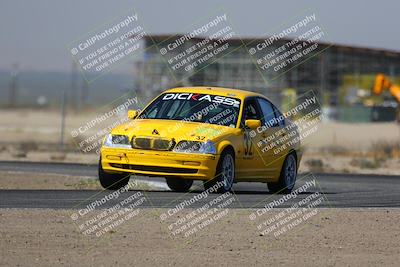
42	181
345	237
35	181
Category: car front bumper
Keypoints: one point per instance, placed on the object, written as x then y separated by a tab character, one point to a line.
159	163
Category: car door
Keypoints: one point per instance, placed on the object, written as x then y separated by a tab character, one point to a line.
272	135
250	162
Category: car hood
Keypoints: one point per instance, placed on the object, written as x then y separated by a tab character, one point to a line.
179	130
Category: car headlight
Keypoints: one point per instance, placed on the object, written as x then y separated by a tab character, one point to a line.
121	141
207	147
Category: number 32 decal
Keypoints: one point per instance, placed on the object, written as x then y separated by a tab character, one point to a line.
248	145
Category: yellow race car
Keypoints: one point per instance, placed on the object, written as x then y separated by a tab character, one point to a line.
217	135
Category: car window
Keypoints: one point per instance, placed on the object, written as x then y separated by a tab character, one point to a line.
173	109
279	116
192	107
251	110
269	118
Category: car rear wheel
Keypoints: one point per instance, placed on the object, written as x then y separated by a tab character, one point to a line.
225	174
179	184
287	177
112	181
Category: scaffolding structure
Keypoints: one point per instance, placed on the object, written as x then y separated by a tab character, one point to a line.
322	73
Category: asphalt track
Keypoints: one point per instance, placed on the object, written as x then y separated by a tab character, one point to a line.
338	190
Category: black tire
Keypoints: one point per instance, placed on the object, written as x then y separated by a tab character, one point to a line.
224	174
112	181
287	178
179	184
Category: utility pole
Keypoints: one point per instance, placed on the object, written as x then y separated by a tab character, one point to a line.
74	94
84	93
392	74
13	87
64	100
63	114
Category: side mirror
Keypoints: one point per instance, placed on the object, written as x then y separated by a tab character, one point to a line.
132	114
252	124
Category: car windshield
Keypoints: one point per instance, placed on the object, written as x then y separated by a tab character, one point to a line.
192	107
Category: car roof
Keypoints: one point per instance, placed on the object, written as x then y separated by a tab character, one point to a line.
214	91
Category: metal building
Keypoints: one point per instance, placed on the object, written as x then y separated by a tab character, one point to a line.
323	73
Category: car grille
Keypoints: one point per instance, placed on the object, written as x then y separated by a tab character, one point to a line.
151	143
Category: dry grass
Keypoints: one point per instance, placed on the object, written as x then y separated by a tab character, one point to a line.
315	165
364	163
385	149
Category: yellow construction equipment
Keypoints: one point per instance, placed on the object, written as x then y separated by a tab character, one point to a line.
383	83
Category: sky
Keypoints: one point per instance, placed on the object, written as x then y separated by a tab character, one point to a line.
35	34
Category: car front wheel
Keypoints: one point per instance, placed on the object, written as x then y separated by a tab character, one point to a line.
112	181
179	184
287	177
225	174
